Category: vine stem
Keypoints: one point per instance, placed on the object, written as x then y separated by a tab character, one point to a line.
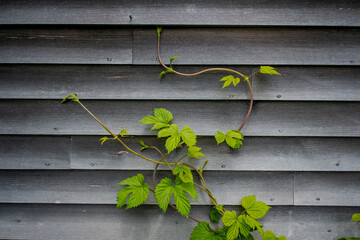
117	138
209	70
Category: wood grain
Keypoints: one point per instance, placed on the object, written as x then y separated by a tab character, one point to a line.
205	117
187	12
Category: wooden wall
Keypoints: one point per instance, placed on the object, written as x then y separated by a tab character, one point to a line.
301	154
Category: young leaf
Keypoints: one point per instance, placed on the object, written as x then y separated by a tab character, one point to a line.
214	214
161	118
244	228
233	138
122	132
269	235
258	210
203	232
103	139
255	225
137	190
236	225
188	136
184	174
220	137
72	97
159	31
248	201
193	152
163	73
229	218
227	80
174	137
171	60
165	189
356	217
268	70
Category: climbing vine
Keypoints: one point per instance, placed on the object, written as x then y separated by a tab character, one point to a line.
187	180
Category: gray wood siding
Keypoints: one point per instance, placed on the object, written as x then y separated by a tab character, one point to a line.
301	149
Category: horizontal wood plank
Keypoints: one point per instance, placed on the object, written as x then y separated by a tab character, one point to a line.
187	12
205	117
141	82
65	45
100	187
44	221
34	152
331	189
257	154
259	46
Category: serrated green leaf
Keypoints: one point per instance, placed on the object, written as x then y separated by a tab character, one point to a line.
233	231
193	152
122	132
103	139
159	31
214	214
248	201
220	208
269	235
172	142
220	137
233	138
254	225
137	190
164	116
160	126
356	217
149	120
203	232
71	97
165	189
236	81
258	210
243	226
268	70
250	237
184	174
170	131
229	218
188	136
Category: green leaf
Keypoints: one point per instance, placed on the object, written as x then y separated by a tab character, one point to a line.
203	232
220	137
174	137
356	217
122	132
163	73
72	97
170	131
227	80
248	201
214	214
103	139
159	31
233	231
165	189
163	115
243	226
268	70
171	60
172	142
269	235
255	225
258	210
161	118
233	138
229	218
236	81
184	174
193	152
188	136
137	190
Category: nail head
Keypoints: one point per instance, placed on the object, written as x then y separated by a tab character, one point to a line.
278	96
223	166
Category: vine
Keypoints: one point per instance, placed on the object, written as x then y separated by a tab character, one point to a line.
135	191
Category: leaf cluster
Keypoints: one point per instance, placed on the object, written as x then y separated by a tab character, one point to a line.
137	191
233	138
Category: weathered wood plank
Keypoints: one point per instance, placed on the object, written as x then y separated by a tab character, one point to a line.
34	152
65	45
282	46
122	82
205	117
44	221
258	154
100	187
243	13
331	189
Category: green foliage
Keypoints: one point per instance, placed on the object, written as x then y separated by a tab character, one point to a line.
237	225
122	132
215	214
161	118
203	232
163	73
356	217
268	70
186	134
165	189
184	174
269	235
159	31
137	190
71	97
103	139
354	238
230	79
233	138
172	59
193	152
